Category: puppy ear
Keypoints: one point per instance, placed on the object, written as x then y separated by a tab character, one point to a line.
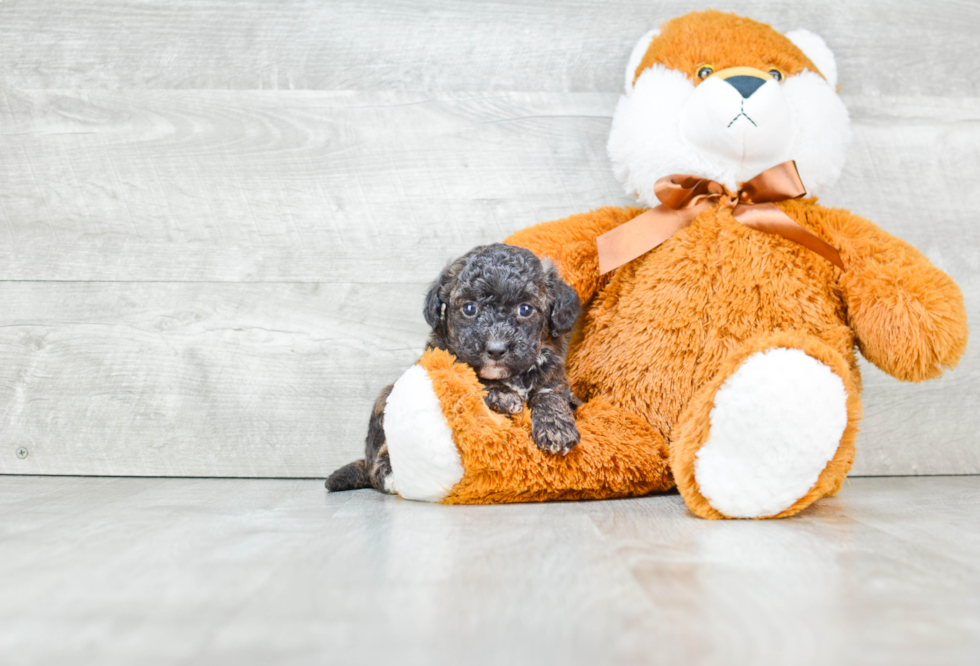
433	303
435	300
563	303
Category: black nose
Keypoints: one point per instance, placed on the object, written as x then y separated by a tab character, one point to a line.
496	350
745	85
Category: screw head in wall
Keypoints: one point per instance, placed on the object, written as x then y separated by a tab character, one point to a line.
22	453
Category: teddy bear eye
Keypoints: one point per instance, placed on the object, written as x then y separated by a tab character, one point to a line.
776	74
704	71
525	310
469	309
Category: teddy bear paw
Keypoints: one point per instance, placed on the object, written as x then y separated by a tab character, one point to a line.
775	425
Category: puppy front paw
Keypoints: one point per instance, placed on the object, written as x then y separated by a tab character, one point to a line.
504	401
554	432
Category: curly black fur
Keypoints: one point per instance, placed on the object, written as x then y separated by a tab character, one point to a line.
501	310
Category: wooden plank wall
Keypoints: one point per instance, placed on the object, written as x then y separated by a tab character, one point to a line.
217	218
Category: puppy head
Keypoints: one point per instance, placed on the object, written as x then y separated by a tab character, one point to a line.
496	306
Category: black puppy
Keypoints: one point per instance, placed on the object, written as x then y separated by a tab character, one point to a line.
503	312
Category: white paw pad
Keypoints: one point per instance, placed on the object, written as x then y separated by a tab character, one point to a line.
775	425
425	463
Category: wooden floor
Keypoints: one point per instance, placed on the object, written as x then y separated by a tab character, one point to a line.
212	571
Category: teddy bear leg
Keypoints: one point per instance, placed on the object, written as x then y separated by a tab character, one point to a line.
771	433
446	445
425	463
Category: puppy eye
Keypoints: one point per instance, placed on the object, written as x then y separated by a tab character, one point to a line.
776	74
704	71
525	310
469	309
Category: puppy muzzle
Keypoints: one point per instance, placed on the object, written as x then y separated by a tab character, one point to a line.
493	371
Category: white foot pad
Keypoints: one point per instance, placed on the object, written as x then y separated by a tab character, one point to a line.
775	425
425	463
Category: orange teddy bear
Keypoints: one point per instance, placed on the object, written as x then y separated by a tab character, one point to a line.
716	346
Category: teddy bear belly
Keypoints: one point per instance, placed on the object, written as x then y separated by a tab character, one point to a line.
663	326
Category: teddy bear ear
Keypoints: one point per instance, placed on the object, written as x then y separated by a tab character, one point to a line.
636	56
817	51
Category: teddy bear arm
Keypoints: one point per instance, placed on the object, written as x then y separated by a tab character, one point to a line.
908	316
570	244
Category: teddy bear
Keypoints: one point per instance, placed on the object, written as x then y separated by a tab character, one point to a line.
716	348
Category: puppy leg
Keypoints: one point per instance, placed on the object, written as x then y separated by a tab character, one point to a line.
375	469
380	473
553	422
504	400
376	448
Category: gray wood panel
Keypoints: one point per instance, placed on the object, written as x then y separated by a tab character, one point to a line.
197	379
340	186
215	571
204	379
884	47
298	186
217	218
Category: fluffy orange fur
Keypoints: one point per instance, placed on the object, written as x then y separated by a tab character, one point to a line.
659	335
722	40
619	455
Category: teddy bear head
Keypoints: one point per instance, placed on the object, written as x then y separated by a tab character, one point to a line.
722	97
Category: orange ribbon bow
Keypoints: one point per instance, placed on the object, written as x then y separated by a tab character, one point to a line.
684	197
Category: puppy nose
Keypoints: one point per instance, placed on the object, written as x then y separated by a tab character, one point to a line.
746	80
496	350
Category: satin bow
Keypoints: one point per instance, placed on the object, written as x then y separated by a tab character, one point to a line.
684	197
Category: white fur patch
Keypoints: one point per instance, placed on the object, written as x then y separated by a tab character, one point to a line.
823	131
425	463
522	390
666	125
776	423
